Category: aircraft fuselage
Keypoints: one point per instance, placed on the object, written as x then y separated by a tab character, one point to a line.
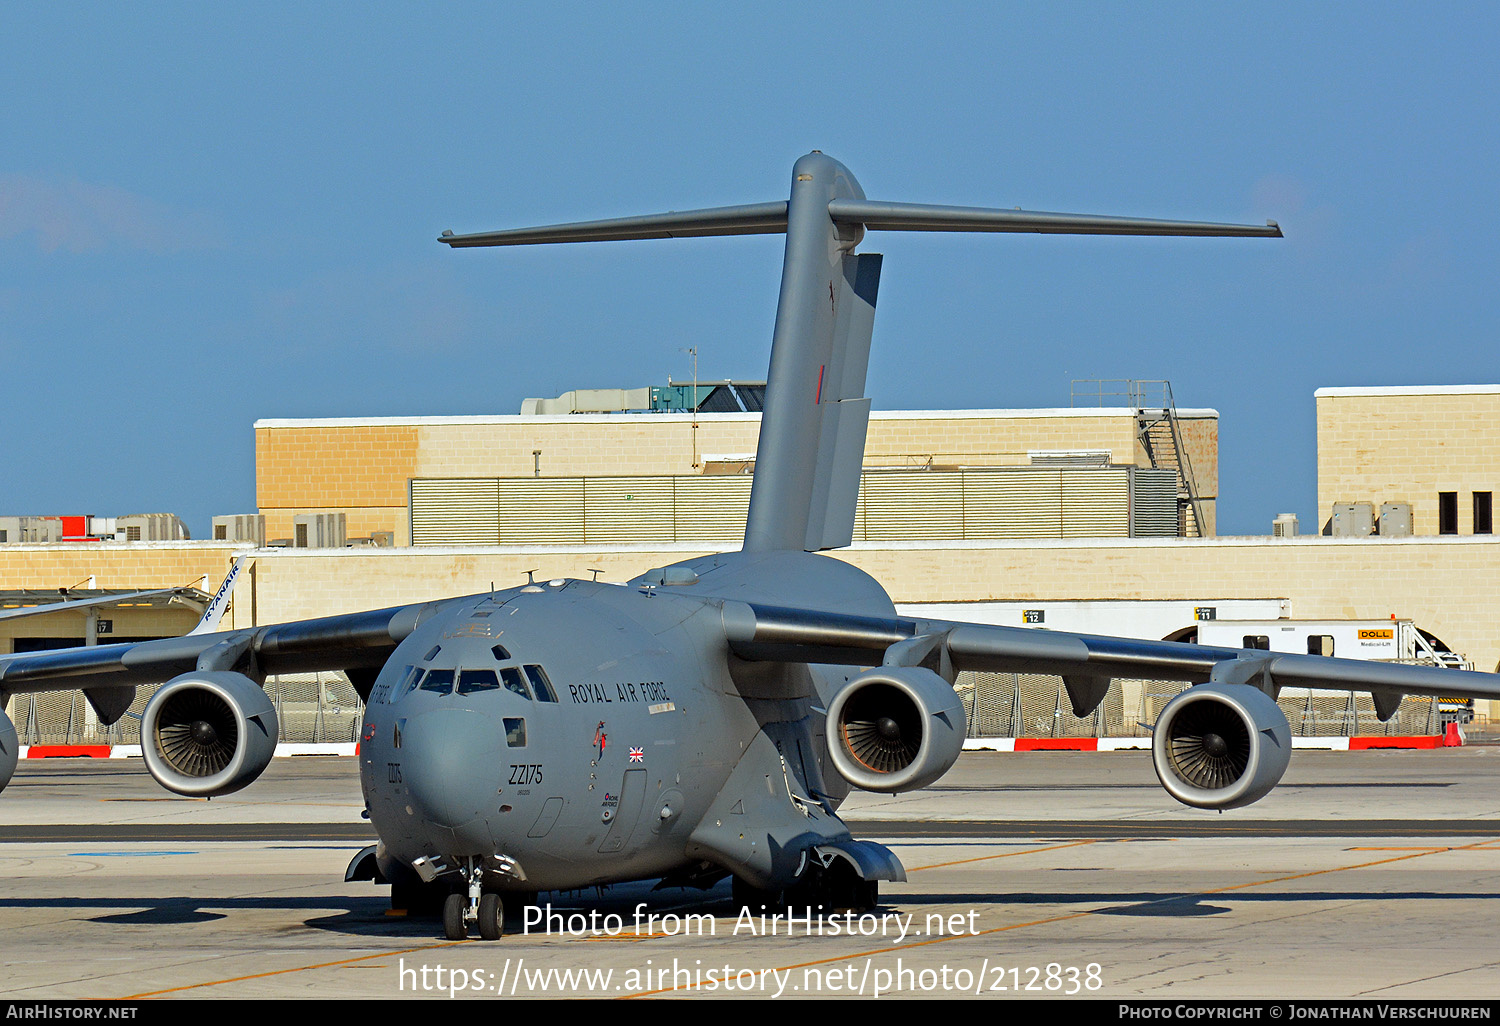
576	733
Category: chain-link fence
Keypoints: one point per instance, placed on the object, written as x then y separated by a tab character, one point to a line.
310	708
323	707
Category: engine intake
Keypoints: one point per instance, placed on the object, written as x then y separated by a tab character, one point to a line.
1221	746
895	729
208	733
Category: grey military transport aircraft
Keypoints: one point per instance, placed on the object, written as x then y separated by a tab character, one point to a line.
707	718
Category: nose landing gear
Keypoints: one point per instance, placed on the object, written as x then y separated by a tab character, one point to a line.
473	905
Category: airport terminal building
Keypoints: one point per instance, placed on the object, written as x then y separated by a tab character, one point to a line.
1094	519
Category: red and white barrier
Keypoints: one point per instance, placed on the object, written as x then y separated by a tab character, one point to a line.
134	751
1452	738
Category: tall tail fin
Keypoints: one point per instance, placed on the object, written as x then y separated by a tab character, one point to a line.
214	611
812	433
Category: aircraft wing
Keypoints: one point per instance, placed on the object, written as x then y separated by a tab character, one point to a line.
352	641
1085	662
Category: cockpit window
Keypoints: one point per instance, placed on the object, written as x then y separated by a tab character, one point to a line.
515	731
430	656
403	682
513	681
440	681
500	653
470	681
544	692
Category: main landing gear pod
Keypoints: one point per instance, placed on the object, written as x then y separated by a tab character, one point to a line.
10	748
208	733
1221	746
895	729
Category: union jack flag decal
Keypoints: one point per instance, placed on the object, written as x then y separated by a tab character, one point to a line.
637	755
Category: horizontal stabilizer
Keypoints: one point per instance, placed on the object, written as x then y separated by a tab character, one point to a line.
750	219
921	217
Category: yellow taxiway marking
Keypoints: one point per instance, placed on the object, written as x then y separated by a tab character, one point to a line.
916	869
1005	855
283	972
1483	846
1414	854
1079	915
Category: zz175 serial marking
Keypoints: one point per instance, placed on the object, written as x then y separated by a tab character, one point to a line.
644	691
525	773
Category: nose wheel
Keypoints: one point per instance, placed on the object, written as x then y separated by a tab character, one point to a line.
483	909
456	917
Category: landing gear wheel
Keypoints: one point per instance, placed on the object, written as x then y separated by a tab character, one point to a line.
454	926
491	916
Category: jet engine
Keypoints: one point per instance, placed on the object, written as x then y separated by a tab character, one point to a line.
10	747
207	733
896	728
1220	746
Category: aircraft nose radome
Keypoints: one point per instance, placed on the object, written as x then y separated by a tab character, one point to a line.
448	765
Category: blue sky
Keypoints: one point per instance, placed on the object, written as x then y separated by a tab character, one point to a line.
211	214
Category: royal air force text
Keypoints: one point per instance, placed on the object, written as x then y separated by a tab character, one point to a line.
645	691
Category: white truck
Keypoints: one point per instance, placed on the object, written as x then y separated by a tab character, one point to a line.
1394	641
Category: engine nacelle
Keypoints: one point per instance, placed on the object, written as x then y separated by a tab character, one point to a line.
1220	746
896	728
207	733
10	748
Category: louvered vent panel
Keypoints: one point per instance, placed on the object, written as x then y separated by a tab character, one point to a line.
454	511
1095	503
1022	503
542	510
1154	498
627	509
898	507
712	508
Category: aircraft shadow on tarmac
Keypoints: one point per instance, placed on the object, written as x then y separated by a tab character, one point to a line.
367	916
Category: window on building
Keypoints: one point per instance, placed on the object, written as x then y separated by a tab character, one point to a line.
1484	515
132	534
1447	512
1320	644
